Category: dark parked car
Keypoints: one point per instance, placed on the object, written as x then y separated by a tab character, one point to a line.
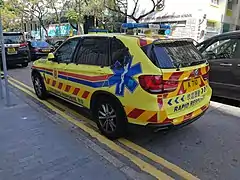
223	54
17	51
39	49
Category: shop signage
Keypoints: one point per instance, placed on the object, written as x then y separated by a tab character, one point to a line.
170	16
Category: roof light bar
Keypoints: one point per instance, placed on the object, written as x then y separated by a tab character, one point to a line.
144	25
98	31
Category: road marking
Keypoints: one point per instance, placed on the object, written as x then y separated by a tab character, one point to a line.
22	84
144	166
137	148
158	159
72	112
174	168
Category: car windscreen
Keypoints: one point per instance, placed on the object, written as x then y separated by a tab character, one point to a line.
13	39
40	44
169	54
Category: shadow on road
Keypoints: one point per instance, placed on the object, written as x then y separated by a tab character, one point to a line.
226	101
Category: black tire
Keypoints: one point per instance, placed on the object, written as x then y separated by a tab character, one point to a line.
39	86
115	124
25	64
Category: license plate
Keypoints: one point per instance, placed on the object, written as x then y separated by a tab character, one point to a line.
191	84
45	50
11	51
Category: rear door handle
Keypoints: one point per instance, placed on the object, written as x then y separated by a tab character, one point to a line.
225	64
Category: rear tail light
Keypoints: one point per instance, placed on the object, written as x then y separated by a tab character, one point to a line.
36	50
156	84
23	45
206	76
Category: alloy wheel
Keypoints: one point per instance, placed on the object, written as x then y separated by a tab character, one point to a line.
38	86
107	118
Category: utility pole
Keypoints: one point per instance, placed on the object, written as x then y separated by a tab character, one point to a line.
1	86
4	58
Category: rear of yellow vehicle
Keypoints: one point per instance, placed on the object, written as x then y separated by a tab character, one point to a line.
174	85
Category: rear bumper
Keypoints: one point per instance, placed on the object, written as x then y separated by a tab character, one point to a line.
36	56
185	122
14	60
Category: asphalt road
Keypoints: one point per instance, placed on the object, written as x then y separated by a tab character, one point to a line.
208	148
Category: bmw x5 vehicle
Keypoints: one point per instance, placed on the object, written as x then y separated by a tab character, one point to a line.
127	79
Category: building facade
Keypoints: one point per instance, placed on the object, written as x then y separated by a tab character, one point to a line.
197	19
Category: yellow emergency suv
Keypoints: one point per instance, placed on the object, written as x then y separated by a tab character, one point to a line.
125	79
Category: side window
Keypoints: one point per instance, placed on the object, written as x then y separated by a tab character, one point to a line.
118	51
94	51
65	52
222	49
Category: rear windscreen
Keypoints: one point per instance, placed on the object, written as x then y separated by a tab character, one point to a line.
168	54
41	44
13	39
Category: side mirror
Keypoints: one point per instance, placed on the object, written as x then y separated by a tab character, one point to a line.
51	57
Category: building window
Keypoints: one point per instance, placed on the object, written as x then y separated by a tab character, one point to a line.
230	4
211	26
215	2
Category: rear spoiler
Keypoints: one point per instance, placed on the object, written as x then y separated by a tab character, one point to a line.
175	40
12	33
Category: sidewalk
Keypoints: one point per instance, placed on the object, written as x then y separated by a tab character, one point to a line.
34	147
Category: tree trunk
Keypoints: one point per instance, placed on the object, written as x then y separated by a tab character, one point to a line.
43	26
45	30
58	16
95	21
74	27
78	25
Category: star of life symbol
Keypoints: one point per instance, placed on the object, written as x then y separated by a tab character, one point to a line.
124	77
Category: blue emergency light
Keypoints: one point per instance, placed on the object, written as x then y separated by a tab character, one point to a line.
165	26
98	31
143	25
134	25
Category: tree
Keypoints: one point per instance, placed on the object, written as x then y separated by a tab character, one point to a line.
10	18
80	9
58	7
33	9
120	6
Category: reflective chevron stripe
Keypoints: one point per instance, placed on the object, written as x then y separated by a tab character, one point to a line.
75	91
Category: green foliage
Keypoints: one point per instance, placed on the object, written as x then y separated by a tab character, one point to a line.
73	16
1	3
10	18
51	11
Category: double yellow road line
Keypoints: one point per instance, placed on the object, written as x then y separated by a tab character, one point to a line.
144	166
